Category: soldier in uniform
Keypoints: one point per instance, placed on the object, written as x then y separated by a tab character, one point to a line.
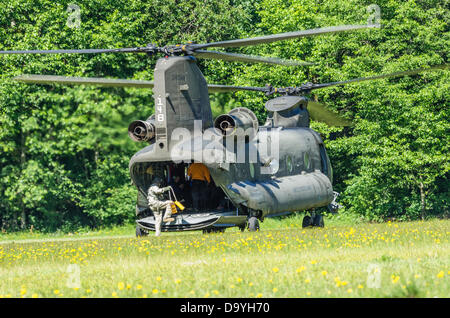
157	203
200	179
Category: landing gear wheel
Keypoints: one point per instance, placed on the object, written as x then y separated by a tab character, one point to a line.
140	232
214	230
318	220
306	221
207	231
253	224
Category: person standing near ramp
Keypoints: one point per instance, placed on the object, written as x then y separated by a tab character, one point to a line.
157	203
200	178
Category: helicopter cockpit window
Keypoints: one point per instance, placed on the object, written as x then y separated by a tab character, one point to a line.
289	165
306	161
323	159
252	170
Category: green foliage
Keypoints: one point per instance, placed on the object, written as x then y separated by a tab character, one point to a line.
393	162
64	150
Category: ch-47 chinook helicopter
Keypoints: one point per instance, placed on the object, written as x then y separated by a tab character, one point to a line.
279	167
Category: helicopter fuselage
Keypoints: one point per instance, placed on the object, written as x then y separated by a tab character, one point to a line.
279	167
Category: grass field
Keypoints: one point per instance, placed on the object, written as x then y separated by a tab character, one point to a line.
408	259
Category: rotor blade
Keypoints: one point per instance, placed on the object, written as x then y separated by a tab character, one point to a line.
319	112
214	88
396	74
110	82
106	82
81	51
282	36
247	58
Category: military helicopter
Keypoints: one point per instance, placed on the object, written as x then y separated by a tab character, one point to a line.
262	171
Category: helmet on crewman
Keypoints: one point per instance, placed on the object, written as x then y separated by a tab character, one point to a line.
157	181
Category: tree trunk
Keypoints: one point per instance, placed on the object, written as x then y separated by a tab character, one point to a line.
422	200
23	223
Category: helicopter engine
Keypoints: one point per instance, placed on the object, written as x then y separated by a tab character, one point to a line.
238	122
140	130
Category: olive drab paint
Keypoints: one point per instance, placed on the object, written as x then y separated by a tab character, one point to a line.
267	173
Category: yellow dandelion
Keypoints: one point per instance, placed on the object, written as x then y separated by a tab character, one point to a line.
139	287
177	281
360	286
275	289
300	269
307	281
121	286
34	296
56	291
313	262
259	295
155	291
324	273
395	279
440	274
114	294
275	269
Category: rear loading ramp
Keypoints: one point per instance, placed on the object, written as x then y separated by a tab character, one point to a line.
195	221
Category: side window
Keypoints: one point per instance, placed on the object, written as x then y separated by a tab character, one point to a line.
289	165
323	160
252	170
306	161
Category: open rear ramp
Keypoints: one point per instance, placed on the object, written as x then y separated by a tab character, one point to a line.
196	221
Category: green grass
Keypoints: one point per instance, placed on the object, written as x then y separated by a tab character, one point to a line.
344	259
125	230
128	230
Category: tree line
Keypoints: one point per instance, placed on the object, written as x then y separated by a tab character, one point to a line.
65	151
